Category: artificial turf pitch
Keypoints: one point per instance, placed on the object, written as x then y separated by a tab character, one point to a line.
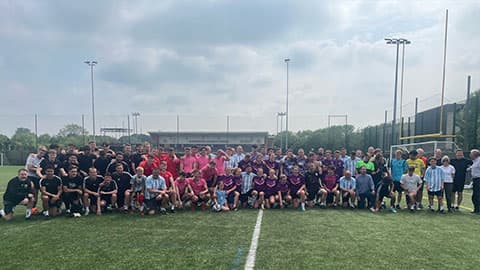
289	239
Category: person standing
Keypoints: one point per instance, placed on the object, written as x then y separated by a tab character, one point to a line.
460	163
435	178
398	167
449	172
475	169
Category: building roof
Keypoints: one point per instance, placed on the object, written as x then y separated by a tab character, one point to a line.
174	133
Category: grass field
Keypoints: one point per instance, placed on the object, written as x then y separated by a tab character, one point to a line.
289	239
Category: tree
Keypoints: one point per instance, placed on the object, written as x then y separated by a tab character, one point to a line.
72	130
4	143
23	139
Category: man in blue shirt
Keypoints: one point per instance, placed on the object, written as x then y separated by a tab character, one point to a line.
365	189
435	177
155	192
348	186
398	167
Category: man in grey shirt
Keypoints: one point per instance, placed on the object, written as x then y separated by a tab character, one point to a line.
365	189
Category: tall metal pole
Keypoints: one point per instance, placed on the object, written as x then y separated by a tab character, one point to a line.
384	137
36	131
443	76
83	129
228	129
178	130
128	127
395	98
404	42
281	130
92	64
287	114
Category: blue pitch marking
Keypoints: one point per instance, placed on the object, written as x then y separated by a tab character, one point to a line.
236	260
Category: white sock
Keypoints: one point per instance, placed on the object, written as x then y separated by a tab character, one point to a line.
29	211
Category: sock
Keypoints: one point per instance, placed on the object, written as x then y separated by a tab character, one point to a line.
29	211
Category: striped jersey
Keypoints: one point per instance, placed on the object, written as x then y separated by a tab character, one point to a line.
434	176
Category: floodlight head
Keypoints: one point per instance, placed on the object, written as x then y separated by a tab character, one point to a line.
287	60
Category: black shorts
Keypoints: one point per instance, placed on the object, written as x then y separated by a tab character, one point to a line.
382	192
93	199
152	204
330	197
436	193
70	196
210	184
231	197
35	181
107	198
9	206
397	186
312	194
52	204
458	186
244	197
346	197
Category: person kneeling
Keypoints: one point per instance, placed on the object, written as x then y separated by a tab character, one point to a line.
19	191
108	194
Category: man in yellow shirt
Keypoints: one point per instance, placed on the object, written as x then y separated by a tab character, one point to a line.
419	166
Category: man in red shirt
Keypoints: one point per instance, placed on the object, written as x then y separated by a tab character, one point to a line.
210	173
172	163
148	165
169	182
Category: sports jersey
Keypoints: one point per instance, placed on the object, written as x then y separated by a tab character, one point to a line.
411	182
347	183
108	187
154	183
282	187
188	163
51	185
92	184
72	183
259	183
49	163
434	176
138	183
238	183
167	176
197	186
295	182
271	184
330	181
228	182
417	164
449	171
17	190
312	181
181	186
122	180
202	161
398	168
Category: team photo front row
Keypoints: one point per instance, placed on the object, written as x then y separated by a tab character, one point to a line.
235	189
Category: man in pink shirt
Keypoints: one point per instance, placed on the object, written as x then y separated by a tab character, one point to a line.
203	158
199	190
220	161
188	163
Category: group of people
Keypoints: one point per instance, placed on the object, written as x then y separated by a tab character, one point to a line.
155	180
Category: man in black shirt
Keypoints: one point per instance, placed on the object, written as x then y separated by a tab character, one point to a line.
52	161
137	157
122	179
91	184
72	191
312	182
127	158
108	194
118	160
101	163
460	163
72	161
19	192
51	188
85	161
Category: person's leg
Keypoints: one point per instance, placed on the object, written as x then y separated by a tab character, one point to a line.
459	199
361	201
430	201
476	195
8	210
236	199
127	199
261	198
440	202
448	195
173	200
302	199
45	200
371	200
420	196
255	196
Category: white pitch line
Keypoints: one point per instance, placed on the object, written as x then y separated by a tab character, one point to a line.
250	264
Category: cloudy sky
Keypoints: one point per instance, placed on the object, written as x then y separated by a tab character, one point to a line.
204	60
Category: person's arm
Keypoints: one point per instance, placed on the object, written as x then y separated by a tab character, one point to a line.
419	183
402	182
172	184
215	180
205	189
280	198
226	156
38	171
66	189
59	191
181	165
